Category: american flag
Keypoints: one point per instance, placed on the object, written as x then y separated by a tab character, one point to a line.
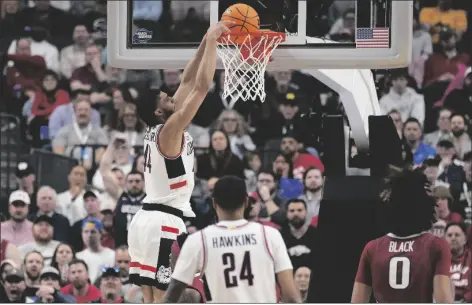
373	38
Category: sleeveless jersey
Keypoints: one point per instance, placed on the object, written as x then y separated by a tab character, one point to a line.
239	260
168	181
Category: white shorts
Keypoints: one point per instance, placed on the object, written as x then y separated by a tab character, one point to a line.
150	237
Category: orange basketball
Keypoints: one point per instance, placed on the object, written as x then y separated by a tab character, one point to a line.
246	20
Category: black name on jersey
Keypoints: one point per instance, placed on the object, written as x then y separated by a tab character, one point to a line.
150	136
189	148
234	241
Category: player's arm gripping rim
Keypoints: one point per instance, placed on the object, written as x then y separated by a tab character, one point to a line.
173	129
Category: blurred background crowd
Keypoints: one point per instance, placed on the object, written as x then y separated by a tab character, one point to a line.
71	142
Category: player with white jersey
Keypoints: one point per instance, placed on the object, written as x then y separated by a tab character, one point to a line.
168	171
240	259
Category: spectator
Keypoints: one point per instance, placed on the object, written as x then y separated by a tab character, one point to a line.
302	281
443	131
299	237
123	260
253	164
47	202
450	169
70	203
81	132
237	130
397	121
46	99
460	100
444	202
49	289
442	66
461	263
403	98
43	232
6	267
219	161
65	115
444	15
346	24
92	208
422	49
61	258
286	184
110	286
18	230
73	56
120	97
268	201
108	233
27	69
301	161
130	125
92	75
9	252
412	133
431	170
313	187
26	179
171	81
461	140
14	285
33	264
94	254
465	196
80	287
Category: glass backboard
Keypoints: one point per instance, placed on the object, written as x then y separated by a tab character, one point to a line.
320	34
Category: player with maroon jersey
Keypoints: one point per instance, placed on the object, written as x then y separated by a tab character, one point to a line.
408	264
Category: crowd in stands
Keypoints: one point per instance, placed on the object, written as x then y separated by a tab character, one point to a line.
69	244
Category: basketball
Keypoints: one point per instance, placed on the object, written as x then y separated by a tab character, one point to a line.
246	20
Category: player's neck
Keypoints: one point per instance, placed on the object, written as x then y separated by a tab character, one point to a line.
230	217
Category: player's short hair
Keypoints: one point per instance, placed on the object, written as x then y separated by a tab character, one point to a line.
230	193
410	208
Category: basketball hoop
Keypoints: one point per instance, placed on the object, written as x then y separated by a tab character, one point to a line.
245	62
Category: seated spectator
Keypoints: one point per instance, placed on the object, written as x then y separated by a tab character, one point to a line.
73	56
313	187
413	133
6	267
130	125
94	254
108	233
450	169
237	130
444	203
465	196
344	25
26	180
80	132
301	161
442	66
14	285
61	258
253	164
33	263
461	265
92	73
171	80
444	129
431	170
49	288
219	161
444	14
299	237
40	46
252	213
283	170
92	207
43	232
422	49
123	260
121	96
65	115
110	286
27	70
403	98
9	252
80	287
18	230
302	281
461	140
70	203
460	100
47	202
46	99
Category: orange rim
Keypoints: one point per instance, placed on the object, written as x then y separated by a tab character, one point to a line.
256	34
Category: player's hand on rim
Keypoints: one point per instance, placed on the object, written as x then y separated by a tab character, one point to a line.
216	30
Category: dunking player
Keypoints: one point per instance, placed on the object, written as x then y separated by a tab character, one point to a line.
168	173
239	258
408	265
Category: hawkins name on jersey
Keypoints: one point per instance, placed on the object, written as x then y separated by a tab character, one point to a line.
168	180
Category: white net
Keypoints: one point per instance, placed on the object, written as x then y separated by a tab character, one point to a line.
245	63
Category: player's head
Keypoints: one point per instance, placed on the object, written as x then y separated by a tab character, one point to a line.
155	107
410	204
230	197
165	106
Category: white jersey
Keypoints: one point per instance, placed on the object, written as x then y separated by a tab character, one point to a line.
239	260
168	181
